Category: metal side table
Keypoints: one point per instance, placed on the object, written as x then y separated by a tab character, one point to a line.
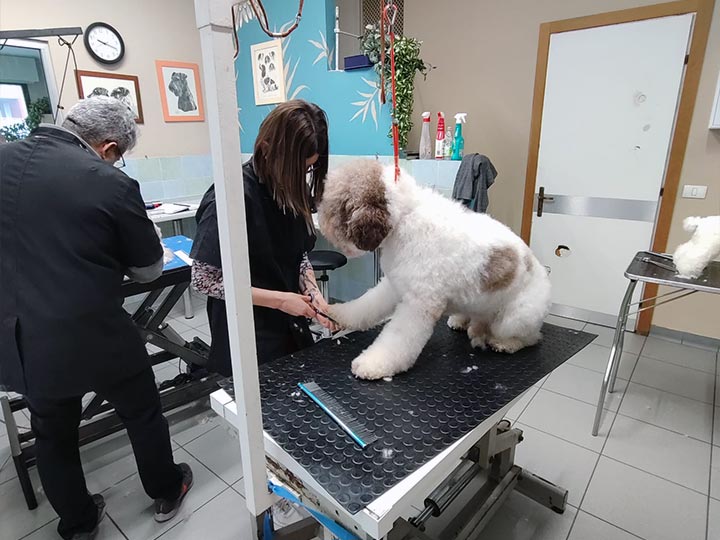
649	267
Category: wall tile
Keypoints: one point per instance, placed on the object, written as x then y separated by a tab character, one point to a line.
148	170
197	186
196	166
152	191
425	172
335	161
171	168
447	171
386	160
174	189
131	168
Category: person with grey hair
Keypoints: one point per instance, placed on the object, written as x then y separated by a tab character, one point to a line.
72	225
104	123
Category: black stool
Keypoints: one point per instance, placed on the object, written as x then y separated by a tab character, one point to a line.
323	261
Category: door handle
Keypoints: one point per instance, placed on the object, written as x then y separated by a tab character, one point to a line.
541	200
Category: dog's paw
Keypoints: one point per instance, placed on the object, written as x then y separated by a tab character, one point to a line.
372	365
479	343
508	346
459	323
341	315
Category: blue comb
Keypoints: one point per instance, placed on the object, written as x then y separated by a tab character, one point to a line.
346	420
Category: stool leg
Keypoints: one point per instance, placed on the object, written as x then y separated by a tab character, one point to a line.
324	285
187	301
615	354
324	290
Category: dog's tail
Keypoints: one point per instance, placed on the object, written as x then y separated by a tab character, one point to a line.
690	224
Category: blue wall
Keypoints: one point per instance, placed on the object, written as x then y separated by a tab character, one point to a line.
358	123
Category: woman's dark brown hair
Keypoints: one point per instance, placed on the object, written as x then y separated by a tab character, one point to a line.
291	134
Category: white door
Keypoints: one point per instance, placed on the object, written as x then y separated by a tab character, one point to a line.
610	103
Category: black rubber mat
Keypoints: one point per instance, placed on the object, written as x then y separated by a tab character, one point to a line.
451	390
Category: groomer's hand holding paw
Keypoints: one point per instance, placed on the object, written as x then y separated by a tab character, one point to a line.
297	305
321	306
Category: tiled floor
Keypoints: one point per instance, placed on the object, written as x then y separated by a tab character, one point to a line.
652	473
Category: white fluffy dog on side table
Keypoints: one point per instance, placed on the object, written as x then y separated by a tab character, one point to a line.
693	256
438	258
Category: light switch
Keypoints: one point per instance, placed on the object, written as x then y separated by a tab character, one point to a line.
694	192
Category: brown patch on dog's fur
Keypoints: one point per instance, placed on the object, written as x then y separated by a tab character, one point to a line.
500	268
355	205
528	262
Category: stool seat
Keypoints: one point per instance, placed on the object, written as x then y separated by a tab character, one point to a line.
324	260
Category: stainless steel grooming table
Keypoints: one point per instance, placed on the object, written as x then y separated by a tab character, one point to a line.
657	268
99	419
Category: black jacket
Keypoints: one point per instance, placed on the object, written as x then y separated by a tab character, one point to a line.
70	227
277	241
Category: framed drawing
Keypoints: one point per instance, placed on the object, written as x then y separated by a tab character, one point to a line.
180	91
268	72
122	87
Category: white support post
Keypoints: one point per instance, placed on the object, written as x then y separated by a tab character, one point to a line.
214	22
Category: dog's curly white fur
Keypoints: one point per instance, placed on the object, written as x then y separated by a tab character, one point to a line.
438	258
693	256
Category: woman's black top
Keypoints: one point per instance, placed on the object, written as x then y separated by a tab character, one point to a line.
277	241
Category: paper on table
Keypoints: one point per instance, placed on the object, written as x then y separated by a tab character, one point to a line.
171	208
184	257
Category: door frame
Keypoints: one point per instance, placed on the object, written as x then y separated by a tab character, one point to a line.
703	10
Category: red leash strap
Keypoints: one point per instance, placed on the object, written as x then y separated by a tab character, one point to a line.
382	59
390	12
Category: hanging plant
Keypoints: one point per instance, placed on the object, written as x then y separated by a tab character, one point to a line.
19	131
407	64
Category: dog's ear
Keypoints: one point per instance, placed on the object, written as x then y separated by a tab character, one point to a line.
368	214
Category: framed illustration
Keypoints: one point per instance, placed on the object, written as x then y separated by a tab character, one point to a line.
268	72
180	91
122	87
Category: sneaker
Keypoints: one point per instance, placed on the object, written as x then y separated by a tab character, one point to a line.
100	503
166	509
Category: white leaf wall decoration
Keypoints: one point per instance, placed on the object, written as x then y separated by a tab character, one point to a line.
368	104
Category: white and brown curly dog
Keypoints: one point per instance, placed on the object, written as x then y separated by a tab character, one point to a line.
438	258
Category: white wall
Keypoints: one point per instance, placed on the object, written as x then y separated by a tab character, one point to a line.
152	30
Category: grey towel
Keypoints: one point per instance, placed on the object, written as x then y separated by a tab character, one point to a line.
474	177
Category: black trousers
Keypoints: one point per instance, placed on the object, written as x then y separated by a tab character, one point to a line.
55	423
272	340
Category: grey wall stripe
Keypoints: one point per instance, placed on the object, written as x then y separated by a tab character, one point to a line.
630	209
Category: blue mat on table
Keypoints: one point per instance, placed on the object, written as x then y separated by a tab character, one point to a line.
177	243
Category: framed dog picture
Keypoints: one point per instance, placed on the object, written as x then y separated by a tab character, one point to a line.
180	91
122	87
268	72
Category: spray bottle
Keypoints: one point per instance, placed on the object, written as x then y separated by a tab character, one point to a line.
459	146
448	144
440	137
425	146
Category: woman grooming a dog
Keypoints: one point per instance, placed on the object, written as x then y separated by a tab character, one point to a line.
282	182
